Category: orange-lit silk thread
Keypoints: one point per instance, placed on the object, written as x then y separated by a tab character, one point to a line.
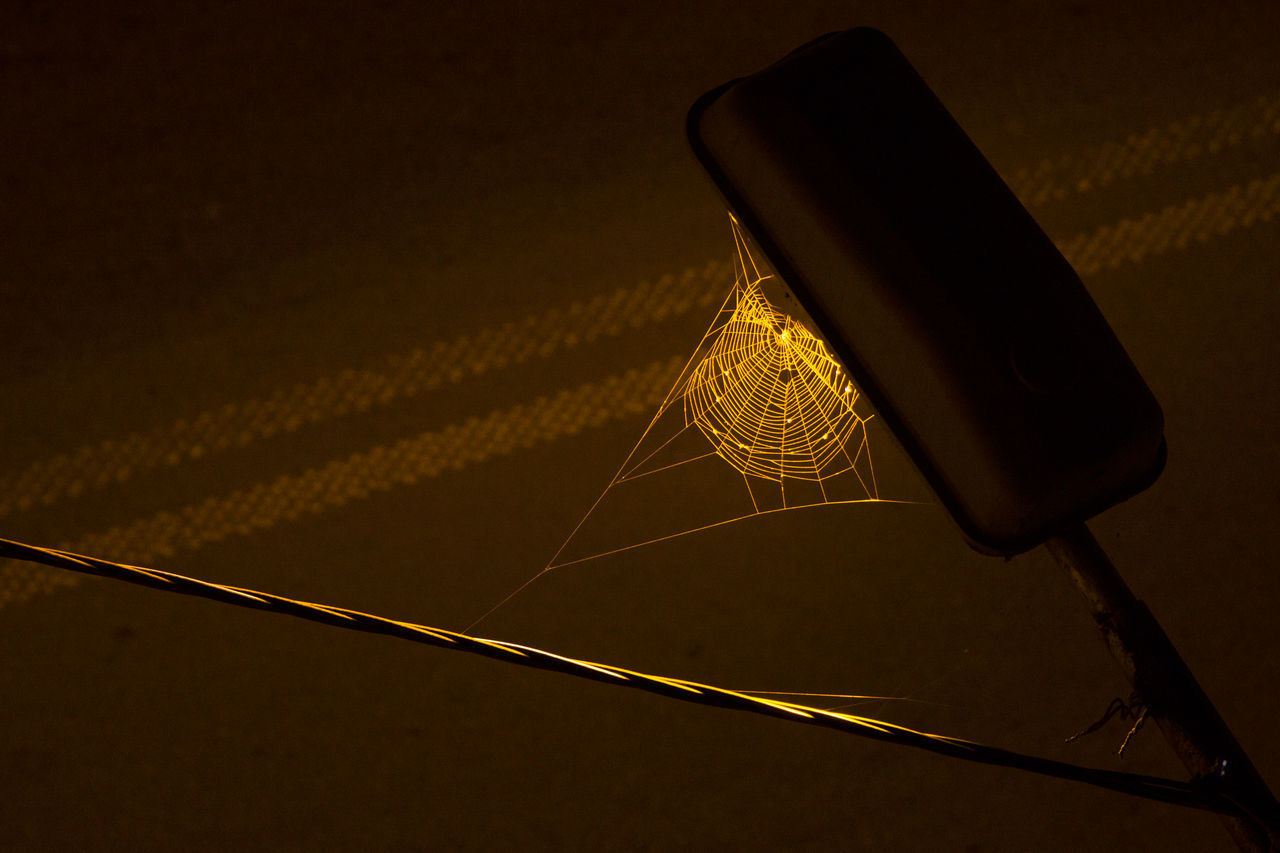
769	400
237	424
765	394
1129	241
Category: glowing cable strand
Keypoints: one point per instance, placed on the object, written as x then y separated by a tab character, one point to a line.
1153	788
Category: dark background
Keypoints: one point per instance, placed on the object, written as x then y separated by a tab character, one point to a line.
226	230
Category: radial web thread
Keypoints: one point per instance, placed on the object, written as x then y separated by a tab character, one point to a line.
766	396
761	394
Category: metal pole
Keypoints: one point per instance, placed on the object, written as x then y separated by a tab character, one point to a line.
1173	697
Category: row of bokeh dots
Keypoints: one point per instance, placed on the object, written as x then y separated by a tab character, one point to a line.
358	476
236	424
96	466
1141	153
1176	226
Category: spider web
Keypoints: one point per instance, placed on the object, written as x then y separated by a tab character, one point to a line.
761	401
771	400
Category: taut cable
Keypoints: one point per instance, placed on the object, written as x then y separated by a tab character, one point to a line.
1186	794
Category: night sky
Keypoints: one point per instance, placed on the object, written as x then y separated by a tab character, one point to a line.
365	305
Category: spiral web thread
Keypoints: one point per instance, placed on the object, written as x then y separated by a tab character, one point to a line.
769	399
775	405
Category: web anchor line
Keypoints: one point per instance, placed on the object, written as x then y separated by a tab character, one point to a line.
769	399
1185	794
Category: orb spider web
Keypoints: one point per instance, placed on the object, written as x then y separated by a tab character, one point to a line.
772	401
762	395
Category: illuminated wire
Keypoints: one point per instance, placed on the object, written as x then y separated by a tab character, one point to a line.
1148	787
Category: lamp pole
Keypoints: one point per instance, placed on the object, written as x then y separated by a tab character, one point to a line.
1173	697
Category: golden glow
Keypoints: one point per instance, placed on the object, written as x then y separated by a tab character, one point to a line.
769	399
242	422
92	466
527	655
1200	135
445	362
768	395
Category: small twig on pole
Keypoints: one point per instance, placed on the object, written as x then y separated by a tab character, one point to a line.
1135	709
1168	690
1137	724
